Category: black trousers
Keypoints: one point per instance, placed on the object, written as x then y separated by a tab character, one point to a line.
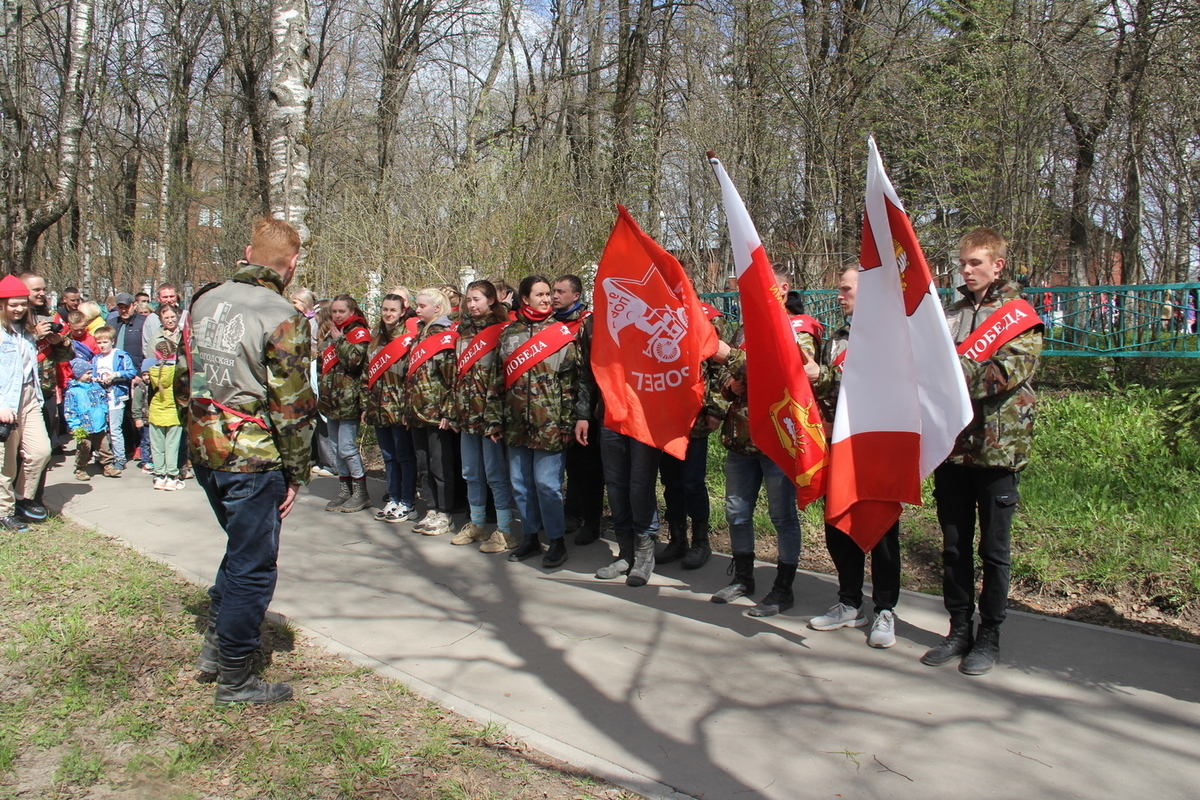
585	478
850	561
962	493
439	468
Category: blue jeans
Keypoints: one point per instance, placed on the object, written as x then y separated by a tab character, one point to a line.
116	435
744	475
247	508
537	482
343	433
684	487
484	464
631	473
399	463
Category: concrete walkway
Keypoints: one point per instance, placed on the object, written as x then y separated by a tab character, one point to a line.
670	695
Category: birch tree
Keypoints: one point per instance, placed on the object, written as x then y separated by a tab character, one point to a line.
291	96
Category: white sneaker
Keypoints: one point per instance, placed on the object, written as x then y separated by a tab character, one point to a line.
160	483
883	630
840	616
170	484
402	513
179	483
382	514
437	526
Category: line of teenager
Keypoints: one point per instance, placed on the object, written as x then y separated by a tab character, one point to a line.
495	405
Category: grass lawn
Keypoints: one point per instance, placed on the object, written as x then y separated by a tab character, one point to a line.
98	699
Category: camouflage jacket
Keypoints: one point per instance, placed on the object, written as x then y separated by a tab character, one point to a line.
538	410
340	389
589	405
715	402
428	390
245	366
735	433
1001	388
50	356
383	403
829	384
471	389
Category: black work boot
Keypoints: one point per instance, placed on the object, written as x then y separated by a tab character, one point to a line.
982	657
347	489
742	569
589	532
529	547
206	662
956	644
624	560
677	546
556	554
780	597
358	499
643	561
700	551
237	683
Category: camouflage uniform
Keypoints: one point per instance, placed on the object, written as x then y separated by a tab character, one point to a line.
471	390
428	391
383	403
584	499
539	410
272	386
428	398
1001	388
980	477
340	389
735	433
828	384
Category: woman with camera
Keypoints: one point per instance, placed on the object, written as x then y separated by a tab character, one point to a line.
25	445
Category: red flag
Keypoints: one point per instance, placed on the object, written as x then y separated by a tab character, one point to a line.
903	398
650	336
784	420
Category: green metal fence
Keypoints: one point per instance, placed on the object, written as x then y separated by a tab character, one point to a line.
1145	320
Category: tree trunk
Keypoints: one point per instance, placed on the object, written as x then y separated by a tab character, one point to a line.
291	98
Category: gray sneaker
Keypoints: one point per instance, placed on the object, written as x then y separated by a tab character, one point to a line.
883	630
840	616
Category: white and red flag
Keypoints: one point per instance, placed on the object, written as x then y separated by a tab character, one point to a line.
649	338
785	423
903	399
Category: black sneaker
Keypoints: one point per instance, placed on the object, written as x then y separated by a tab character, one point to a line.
31	510
13	524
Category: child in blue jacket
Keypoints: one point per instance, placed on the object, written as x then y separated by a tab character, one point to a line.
114	370
85	408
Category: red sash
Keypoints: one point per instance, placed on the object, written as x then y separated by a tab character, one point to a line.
429	347
575	325
540	346
484	342
709	312
803	323
839	358
356	335
389	354
1005	324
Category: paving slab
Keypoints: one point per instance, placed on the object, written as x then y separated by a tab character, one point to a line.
671	695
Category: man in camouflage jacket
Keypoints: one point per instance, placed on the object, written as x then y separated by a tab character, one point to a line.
250	409
982	472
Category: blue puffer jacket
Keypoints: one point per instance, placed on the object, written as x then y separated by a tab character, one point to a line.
123	370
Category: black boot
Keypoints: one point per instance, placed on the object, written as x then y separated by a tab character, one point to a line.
358	499
624	560
982	657
742	569
780	597
237	683
677	547
347	489
643	561
956	644
206	662
700	551
529	547
556	554
589	532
